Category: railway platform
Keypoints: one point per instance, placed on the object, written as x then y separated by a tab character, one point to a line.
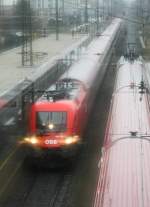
45	50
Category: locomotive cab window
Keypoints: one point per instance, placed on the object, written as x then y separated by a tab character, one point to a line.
51	121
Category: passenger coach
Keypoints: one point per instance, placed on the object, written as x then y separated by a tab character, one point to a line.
124	166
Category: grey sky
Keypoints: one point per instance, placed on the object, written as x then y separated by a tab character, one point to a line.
8	1
11	1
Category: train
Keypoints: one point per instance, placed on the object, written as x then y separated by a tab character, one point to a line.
57	120
124	169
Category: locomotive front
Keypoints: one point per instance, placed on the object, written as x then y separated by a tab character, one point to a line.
52	129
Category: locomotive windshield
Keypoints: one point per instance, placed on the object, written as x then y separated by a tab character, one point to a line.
51	122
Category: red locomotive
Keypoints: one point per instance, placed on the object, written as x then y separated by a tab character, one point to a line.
124	167
57	119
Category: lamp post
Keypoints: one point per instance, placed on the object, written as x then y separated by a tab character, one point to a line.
97	14
27	52
103	11
111	8
86	12
57	19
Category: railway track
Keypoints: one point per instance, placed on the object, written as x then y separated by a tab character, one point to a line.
29	188
61	191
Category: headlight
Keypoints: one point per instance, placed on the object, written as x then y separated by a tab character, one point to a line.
71	140
51	126
31	140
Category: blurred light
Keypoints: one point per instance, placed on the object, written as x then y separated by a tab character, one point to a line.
34	140
62	140
31	140
68	140
71	140
51	126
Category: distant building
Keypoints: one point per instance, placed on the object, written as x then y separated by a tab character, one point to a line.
70	11
8	10
47	7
